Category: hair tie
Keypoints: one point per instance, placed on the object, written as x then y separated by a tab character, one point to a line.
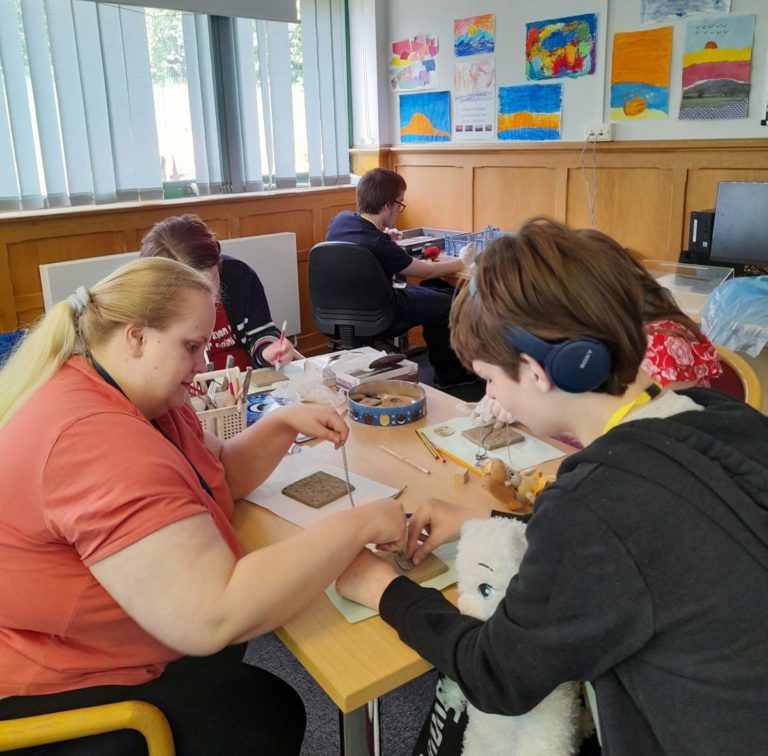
79	300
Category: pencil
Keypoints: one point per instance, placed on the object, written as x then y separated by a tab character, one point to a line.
459	461
404	459
424	440
280	343
438	451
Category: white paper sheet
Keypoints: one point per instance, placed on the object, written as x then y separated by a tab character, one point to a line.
299	465
354	612
520	456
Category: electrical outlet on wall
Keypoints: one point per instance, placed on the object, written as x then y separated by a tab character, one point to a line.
599	132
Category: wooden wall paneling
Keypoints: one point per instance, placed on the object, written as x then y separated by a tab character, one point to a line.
24	257
677	216
298	221
506	196
630	205
434	196
362	159
31	238
8	317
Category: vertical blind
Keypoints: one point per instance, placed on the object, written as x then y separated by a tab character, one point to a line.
77	117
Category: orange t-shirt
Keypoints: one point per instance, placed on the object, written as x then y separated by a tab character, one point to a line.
85	475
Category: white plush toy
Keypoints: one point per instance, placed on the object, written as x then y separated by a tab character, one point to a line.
489	555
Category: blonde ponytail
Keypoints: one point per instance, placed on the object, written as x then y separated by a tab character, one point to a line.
146	291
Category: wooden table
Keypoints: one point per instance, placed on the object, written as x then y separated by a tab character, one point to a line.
356	663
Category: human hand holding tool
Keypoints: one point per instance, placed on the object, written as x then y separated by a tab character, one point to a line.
467	254
435	522
487	410
393	233
280	351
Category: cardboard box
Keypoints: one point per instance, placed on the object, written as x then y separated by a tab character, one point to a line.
403	371
330	370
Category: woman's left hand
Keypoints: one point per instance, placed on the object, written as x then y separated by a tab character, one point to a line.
316	420
366	579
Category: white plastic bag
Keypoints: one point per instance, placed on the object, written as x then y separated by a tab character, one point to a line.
736	315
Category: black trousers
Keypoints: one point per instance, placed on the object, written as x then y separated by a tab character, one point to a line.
216	706
429	305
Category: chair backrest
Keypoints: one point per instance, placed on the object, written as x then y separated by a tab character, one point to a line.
738	379
93	720
349	290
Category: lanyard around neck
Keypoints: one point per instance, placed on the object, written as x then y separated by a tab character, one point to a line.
646	396
107	378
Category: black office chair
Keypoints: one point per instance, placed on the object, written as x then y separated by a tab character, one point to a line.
353	302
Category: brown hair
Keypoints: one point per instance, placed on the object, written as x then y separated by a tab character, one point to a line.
658	302
556	283
184	238
377	188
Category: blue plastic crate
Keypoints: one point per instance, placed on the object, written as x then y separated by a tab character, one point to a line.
454	242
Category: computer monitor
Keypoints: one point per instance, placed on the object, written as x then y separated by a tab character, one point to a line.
740	233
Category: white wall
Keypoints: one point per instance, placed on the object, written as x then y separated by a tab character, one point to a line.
585	99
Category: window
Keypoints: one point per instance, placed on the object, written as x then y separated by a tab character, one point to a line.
102	102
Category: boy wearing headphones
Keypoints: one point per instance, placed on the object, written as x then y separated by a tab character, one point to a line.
647	564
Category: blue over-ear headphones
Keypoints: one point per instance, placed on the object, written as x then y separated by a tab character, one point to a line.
573	365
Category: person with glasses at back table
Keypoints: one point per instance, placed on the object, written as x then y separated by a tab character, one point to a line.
380	194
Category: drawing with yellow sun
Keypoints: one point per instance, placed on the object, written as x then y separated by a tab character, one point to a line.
474	35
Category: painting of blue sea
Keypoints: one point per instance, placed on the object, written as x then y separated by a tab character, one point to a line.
652	11
530	112
474	35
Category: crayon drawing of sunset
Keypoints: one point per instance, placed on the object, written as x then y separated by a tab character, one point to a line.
474	35
716	68
640	74
530	112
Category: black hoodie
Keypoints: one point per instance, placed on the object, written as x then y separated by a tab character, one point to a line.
646	573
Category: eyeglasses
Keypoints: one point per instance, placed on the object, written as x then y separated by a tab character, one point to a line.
400	206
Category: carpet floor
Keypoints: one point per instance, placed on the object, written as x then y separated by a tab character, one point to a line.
402	712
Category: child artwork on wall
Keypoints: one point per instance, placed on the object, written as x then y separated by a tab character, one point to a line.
652	11
474	90
764	120
425	117
474	35
530	112
716	67
413	64
640	74
561	47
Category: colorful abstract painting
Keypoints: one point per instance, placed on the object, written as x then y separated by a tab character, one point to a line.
640	74
425	117
652	11
413	64
474	35
530	112
717	59
561	47
474	98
